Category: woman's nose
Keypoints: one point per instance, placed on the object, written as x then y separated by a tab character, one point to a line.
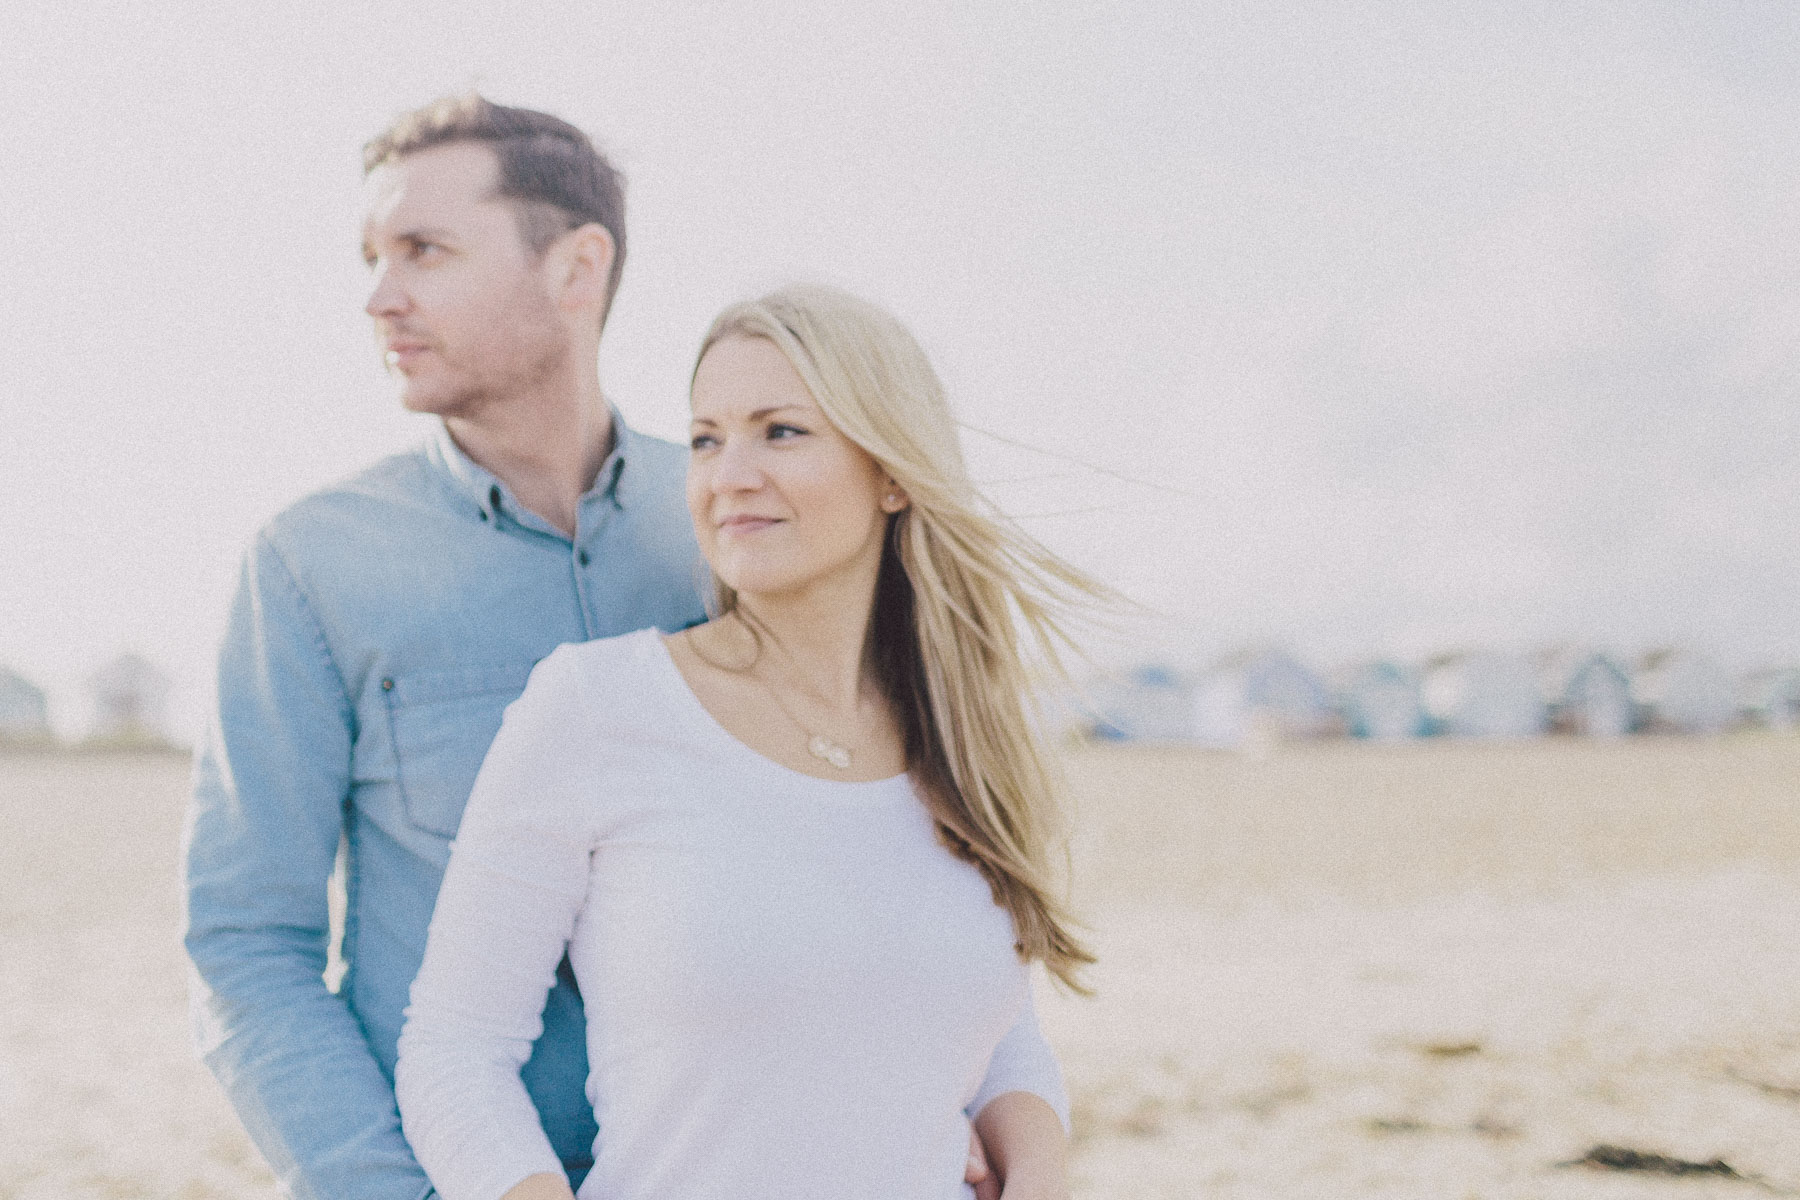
735	468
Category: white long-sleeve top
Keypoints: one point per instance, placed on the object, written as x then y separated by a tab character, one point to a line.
792	988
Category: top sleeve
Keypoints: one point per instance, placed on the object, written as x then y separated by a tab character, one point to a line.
264	819
515	884
1024	1062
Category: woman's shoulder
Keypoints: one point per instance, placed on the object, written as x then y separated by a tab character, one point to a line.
607	675
607	654
582	703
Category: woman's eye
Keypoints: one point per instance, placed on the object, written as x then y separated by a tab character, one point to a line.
701	441
783	432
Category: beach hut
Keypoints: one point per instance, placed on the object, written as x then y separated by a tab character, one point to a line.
1679	691
129	694
1257	696
1146	704
1380	701
24	714
1586	693
1771	699
1482	694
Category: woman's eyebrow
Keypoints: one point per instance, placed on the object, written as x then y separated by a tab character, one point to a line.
757	415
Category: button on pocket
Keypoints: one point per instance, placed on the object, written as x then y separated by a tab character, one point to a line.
441	723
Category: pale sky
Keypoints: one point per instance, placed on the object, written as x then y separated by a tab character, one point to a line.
1421	323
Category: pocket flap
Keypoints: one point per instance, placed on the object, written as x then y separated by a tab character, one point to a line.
442	723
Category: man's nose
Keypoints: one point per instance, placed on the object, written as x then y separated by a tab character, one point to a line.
387	298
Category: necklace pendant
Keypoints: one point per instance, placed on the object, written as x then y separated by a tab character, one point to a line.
819	746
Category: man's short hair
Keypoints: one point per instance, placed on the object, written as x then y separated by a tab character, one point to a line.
551	171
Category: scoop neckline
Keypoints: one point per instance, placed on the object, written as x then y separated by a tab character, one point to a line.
704	723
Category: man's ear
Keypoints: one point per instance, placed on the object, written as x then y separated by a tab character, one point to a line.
583	267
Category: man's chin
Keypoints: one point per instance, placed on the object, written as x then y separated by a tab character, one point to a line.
428	402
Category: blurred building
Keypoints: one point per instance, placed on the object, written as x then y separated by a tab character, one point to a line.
1482	694
24	712
1259	696
1679	691
130	695
1586	693
1771	699
1147	704
1381	701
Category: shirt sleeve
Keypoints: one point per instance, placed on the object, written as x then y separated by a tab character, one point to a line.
1024	1062
515	885
264	820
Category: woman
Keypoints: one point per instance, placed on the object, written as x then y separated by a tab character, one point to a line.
797	855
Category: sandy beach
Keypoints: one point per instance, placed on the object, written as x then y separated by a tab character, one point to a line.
1332	971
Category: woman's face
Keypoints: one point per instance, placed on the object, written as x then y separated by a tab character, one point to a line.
781	500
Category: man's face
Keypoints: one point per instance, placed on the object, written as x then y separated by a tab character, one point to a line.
462	310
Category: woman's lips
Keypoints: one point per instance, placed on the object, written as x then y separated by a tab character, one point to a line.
746	524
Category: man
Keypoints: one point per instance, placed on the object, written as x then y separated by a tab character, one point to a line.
381	626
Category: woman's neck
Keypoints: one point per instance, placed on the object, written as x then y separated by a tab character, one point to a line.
816	643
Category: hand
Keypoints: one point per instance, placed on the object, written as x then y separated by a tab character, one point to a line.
1021	1188
1021	1137
987	1187
540	1187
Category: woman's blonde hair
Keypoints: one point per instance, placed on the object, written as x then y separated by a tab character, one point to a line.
965	603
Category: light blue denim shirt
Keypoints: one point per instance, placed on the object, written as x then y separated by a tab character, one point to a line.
379	629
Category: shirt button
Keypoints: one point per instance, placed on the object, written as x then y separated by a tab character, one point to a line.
387	685
581	557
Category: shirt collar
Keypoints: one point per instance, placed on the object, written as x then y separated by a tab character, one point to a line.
617	481
492	498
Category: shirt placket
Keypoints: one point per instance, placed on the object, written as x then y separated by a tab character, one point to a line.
596	511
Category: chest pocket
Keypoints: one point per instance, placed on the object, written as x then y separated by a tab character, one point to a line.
441	723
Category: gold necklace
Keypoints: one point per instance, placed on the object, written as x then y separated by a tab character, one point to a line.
817	744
